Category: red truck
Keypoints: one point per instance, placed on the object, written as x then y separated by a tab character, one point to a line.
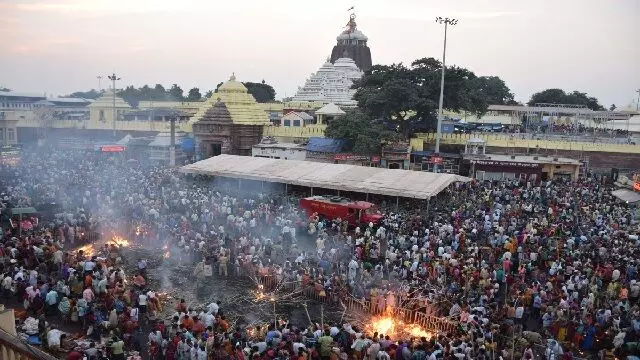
333	207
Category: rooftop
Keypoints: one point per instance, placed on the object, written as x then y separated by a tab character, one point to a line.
280	146
361	179
22	94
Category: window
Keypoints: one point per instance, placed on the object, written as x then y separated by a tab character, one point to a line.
1	134
287	122
101	115
296	122
10	134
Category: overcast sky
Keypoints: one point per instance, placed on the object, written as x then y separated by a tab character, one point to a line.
61	46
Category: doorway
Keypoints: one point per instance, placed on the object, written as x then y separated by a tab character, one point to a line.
215	149
394	165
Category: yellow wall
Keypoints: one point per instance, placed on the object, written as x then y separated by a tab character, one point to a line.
295	131
551	169
507	141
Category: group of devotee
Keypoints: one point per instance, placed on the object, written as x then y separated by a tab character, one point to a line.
522	269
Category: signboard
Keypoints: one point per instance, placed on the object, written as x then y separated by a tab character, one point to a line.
112	148
436	160
506	163
350	157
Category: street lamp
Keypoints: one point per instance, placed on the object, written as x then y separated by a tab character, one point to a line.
114	78
446	21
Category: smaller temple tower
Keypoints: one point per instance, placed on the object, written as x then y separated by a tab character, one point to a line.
352	43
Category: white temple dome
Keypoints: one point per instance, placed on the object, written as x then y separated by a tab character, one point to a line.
354	35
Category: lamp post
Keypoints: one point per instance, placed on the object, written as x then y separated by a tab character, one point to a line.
446	21
114	78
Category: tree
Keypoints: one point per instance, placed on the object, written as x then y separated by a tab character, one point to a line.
363	134
494	90
131	95
409	96
91	94
262	92
194	94
176	93
558	96
612	107
208	94
159	93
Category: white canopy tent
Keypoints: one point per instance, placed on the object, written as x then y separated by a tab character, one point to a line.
361	179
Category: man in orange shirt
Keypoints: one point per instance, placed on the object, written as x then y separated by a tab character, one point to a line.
188	322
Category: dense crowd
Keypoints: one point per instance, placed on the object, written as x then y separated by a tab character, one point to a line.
547	269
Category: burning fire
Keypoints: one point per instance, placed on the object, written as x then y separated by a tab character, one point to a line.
394	328
120	241
87	250
167	253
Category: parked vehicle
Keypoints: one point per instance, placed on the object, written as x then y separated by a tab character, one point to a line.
333	207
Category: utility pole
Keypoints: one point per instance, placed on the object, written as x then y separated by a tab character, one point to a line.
172	147
114	78
446	21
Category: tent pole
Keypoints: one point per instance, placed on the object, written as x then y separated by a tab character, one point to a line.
428	203
312	191
286	188
367	196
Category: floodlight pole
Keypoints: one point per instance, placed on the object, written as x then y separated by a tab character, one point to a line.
114	78
446	22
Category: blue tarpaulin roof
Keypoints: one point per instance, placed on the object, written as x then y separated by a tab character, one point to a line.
318	144
188	144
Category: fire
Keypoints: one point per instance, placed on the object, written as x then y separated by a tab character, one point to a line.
88	250
395	328
384	325
167	253
120	241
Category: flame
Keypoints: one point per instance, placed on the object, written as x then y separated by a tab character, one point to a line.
384	325
120	241
389	326
88	250
167	253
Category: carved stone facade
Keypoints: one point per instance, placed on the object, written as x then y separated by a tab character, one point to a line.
216	134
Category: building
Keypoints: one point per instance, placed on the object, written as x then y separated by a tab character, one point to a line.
63	108
269	148
331	83
230	125
11	100
160	148
529	168
241	105
297	118
396	156
101	110
352	43
8	128
158	114
328	113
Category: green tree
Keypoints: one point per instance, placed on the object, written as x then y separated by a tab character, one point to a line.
91	94
558	96
176	93
409	96
194	94
208	94
364	134
131	95
262	92
613	107
494	90
159	93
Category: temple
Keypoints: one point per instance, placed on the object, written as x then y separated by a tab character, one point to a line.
230	122
352	43
331	83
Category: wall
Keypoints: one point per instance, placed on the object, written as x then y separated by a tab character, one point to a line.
294	132
272	152
552	169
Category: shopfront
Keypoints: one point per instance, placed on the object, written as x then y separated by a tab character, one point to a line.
503	170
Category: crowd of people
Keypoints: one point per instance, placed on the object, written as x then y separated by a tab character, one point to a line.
521	269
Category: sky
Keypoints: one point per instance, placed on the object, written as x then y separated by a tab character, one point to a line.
60	46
